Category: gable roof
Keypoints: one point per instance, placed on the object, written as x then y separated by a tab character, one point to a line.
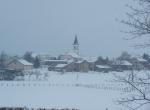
124	62
24	62
141	60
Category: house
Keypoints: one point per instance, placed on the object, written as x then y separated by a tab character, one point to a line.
20	64
60	67
103	68
121	65
6	74
52	63
2	73
92	62
79	66
70	56
43	57
139	63
144	63
65	67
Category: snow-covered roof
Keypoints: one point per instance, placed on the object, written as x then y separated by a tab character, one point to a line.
141	60
124	62
70	61
55	60
24	62
79	61
90	59
73	54
103	66
34	55
61	65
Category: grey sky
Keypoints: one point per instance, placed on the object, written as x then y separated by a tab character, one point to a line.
49	26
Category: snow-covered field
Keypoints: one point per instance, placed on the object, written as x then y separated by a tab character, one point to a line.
83	91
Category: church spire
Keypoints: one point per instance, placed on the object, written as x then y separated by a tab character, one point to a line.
76	40
76	45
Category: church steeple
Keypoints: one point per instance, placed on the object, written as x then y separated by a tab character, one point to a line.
76	45
76	40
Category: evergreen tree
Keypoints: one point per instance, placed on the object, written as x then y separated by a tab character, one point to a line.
27	56
3	58
102	61
124	56
146	56
36	62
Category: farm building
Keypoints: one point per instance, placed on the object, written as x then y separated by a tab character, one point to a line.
20	64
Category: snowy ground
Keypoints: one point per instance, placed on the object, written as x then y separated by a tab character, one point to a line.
83	91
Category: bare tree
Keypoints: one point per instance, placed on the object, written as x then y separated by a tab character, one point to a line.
139	21
140	90
139	24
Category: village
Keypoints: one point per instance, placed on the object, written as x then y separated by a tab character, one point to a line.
73	62
69	76
74	55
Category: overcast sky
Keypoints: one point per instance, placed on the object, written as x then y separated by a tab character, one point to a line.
49	26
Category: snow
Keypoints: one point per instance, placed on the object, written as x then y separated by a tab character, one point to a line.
74	55
34	55
90	59
24	62
141	60
48	89
56	60
54	97
103	66
70	61
126	63
79	61
61	65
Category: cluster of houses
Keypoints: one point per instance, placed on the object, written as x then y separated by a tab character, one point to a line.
78	64
70	62
73	62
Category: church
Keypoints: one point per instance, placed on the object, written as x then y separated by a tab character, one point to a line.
74	62
74	54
